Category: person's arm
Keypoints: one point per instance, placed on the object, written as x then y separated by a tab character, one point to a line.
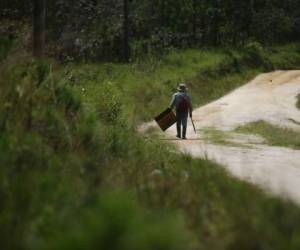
173	102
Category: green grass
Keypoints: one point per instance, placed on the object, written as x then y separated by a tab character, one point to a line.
220	137
151	83
284	57
274	135
225	138
68	146
298	101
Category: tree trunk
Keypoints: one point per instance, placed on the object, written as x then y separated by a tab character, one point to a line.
250	19
126	45
163	15
39	21
194	22
215	24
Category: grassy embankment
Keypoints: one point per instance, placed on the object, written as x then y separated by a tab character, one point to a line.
68	147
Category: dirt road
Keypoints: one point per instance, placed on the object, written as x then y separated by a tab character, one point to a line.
270	97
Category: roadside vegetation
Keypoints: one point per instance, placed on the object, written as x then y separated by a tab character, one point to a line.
220	137
298	101
210	74
274	135
75	174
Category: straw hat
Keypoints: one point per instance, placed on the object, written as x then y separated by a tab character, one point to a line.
182	87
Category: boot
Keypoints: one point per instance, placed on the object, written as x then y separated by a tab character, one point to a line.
178	131
183	132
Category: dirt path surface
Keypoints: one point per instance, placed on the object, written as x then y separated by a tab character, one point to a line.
270	97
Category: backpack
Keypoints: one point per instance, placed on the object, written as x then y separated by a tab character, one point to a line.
183	104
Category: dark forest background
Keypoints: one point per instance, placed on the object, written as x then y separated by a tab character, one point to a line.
123	29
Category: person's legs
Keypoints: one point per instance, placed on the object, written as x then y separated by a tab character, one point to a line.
184	125
178	124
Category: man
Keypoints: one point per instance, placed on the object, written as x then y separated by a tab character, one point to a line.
183	105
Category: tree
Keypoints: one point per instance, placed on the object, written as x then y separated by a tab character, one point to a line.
126	31
39	21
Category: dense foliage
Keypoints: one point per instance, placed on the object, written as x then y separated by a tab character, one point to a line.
94	29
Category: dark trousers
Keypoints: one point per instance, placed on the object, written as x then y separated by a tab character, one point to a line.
181	122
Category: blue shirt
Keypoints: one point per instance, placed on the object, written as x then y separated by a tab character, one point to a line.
175	100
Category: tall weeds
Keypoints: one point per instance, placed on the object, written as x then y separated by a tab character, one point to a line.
68	146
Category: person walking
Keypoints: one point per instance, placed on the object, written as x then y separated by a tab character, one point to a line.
183	105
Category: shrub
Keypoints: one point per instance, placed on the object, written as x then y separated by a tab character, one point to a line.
254	54
5	46
109	103
67	98
115	221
